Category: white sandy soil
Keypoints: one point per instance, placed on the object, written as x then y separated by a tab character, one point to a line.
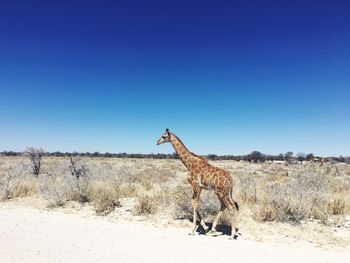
36	235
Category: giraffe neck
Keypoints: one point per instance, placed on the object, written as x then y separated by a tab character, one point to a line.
184	154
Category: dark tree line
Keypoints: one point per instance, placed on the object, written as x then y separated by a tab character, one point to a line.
254	157
97	154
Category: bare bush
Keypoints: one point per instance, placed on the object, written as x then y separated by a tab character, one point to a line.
77	167
182	196
35	155
79	172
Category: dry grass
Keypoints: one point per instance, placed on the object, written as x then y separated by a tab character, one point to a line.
104	197
17	181
265	192
306	194
25	188
146	205
270	192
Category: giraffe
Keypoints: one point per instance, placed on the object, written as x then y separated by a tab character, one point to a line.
201	175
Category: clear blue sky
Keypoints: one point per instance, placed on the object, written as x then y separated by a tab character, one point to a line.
228	77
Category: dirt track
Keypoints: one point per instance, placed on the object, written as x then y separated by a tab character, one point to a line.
32	235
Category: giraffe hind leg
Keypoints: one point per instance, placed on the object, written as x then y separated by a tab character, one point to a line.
217	218
230	204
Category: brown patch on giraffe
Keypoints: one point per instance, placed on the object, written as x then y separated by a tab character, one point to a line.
201	166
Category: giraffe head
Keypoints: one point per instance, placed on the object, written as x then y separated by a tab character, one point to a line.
165	137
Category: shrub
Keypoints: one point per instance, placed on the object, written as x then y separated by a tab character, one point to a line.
57	189
337	205
103	197
182	196
309	194
35	155
146	205
79	172
24	188
17	182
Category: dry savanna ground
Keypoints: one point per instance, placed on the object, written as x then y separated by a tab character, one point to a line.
280	202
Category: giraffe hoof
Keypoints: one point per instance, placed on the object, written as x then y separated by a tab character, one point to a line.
234	237
214	233
237	233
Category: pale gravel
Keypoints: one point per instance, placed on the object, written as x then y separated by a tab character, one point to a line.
36	235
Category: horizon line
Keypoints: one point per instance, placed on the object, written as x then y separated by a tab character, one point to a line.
294	154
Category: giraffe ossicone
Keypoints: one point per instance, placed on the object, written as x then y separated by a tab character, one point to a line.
202	175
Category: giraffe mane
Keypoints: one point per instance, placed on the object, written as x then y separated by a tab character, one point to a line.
196	155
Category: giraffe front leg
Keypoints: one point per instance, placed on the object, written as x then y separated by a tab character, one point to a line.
194	224
195	205
205	227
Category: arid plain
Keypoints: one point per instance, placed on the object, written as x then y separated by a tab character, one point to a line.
285	205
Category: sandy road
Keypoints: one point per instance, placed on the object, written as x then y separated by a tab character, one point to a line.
32	235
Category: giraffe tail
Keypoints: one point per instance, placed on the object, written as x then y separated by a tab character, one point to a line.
236	204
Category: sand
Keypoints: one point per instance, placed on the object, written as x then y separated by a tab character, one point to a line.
38	235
